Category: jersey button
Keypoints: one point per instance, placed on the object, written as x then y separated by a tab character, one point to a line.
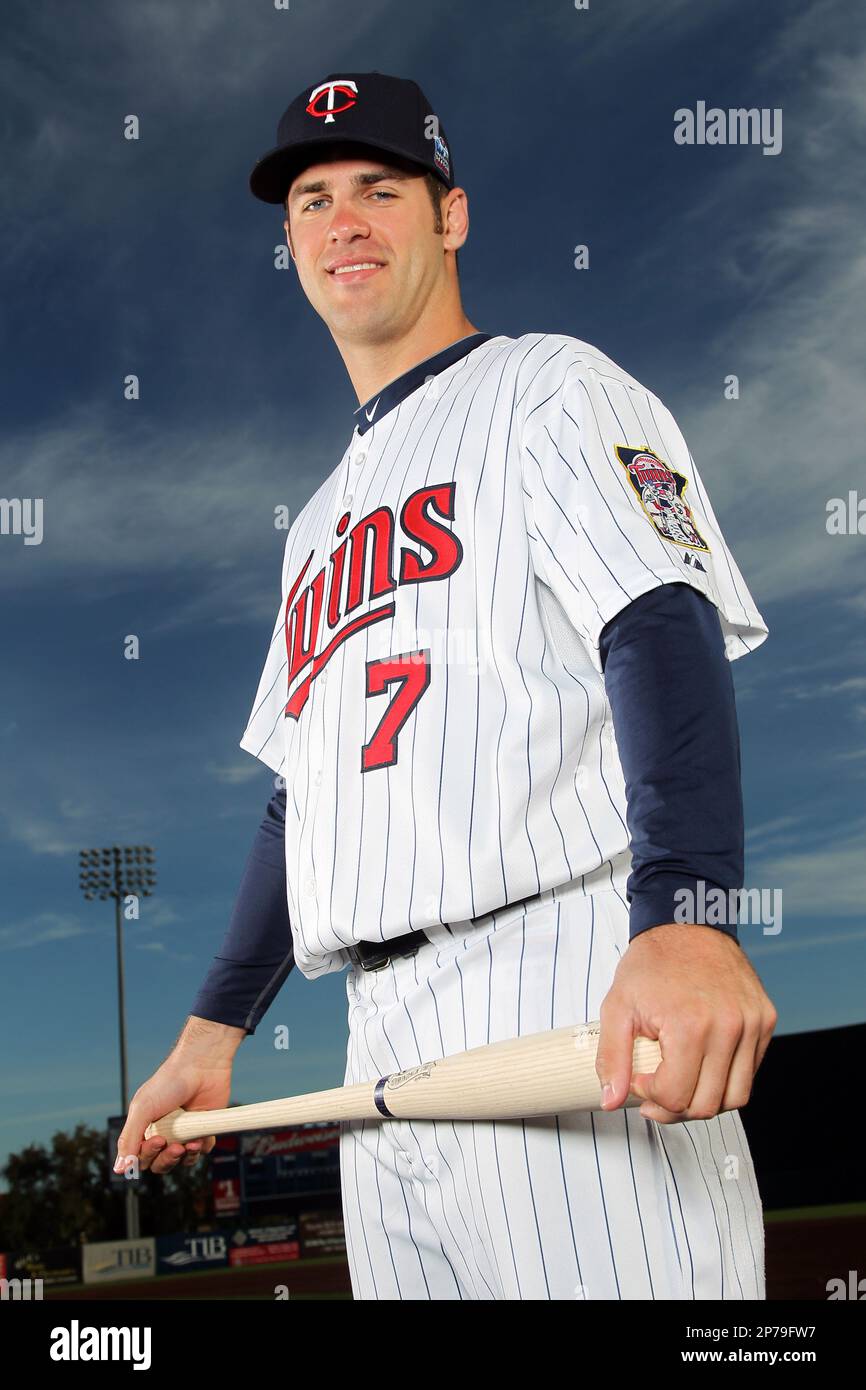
310	887
347	501
318	777
359	459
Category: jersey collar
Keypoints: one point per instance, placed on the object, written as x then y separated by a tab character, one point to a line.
367	415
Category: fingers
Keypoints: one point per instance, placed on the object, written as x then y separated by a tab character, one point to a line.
709	1092
131	1137
156	1155
717	1070
747	1059
615	1056
770	1019
742	1072
164	1155
172	1153
671	1087
727	1063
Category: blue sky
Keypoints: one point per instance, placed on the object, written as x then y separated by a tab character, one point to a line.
152	257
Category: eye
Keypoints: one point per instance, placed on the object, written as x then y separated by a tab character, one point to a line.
382	193
312	203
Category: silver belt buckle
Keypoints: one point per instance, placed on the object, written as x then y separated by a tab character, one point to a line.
372	963
378	961
376	965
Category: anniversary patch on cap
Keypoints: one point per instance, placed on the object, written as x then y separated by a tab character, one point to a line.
441	156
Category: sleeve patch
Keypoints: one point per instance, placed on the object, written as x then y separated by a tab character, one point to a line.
661	492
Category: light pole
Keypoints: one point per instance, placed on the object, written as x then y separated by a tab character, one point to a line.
119	873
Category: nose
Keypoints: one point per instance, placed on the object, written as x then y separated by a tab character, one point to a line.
347	220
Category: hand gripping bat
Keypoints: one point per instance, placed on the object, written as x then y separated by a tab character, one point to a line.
538	1074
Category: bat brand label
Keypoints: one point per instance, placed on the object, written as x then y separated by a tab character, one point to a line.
401	1078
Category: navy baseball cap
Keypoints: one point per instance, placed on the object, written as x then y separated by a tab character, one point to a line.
390	114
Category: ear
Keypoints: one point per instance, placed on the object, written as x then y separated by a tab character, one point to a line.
288	238
455	210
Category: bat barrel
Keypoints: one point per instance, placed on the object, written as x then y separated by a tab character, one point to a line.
520	1078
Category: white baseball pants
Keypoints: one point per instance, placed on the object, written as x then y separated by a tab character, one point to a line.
585	1206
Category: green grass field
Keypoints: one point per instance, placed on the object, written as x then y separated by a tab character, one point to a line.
815	1213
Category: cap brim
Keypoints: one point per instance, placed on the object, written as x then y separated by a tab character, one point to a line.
275	172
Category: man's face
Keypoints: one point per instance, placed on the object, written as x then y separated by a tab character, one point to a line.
365	213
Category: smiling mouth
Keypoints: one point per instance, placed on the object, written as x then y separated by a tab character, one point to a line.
359	270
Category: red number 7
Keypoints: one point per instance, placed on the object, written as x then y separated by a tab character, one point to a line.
412	671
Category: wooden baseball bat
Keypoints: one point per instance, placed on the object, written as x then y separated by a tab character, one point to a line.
538	1074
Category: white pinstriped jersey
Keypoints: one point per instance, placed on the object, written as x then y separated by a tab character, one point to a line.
432	693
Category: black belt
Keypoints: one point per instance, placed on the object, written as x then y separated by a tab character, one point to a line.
375	955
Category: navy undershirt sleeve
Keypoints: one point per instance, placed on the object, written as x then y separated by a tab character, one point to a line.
671	692
256	954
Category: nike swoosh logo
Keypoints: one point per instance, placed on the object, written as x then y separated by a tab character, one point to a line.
370	413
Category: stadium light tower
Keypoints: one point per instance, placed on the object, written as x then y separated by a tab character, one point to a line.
120	872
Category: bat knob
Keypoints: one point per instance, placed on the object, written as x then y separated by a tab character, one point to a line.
162	1128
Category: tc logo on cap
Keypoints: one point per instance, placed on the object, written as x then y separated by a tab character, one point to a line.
344	85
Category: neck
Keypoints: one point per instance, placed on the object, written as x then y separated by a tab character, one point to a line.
371	366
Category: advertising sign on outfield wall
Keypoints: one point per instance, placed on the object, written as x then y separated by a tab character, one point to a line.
108	1260
59	1266
256	1245
178	1254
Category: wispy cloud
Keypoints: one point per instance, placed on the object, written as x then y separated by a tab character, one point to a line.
196	513
157	914
774	836
850	685
815	941
43	929
37	832
825	876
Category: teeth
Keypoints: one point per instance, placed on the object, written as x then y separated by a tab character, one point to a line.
362	265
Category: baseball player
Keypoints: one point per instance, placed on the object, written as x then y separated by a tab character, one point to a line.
498	705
